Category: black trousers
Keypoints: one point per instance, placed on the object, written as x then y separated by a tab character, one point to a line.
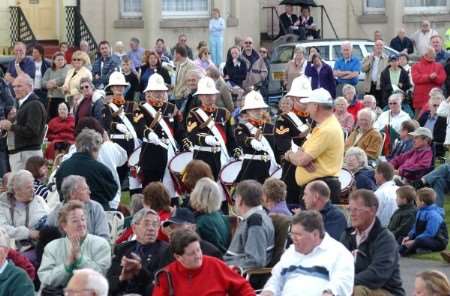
377	94
294	191
254	170
153	162
212	159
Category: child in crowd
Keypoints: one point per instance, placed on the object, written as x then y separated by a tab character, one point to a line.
130	77
274	197
406	141
429	232
404	217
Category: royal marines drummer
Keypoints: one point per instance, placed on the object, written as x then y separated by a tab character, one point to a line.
158	124
209	128
291	129
122	130
254	135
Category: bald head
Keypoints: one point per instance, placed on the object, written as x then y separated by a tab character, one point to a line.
90	280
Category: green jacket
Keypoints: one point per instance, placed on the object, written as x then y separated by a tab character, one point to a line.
15	281
215	229
402	221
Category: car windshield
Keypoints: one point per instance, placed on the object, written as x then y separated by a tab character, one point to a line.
284	54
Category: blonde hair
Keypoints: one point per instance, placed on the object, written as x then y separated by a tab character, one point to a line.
82	56
206	196
435	282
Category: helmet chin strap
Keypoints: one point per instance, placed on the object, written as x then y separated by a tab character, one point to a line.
155	103
209	108
118	100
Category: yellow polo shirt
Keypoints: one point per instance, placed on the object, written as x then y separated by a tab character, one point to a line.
326	145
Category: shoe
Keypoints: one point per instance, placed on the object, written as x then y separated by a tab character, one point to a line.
417	184
446	256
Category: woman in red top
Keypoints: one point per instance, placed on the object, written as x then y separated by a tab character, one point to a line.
192	274
61	132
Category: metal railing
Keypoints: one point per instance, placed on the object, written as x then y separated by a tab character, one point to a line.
78	30
273	33
20	29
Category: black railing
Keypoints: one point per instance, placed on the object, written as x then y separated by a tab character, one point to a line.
20	29
78	30
274	16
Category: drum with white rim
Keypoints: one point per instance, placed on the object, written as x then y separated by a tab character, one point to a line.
278	173
228	175
347	180
133	160
176	167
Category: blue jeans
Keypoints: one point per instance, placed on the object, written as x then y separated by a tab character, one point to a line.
426	243
216	49
439	179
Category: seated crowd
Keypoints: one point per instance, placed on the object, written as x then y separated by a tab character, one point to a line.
326	200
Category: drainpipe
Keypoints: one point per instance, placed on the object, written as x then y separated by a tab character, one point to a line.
348	7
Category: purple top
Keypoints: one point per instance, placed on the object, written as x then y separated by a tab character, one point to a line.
280	208
414	160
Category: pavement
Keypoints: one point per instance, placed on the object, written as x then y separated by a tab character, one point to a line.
409	267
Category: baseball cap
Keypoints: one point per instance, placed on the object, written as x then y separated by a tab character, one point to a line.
393	57
422	131
180	216
319	96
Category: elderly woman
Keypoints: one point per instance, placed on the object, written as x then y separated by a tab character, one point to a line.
53	81
151	63
274	197
21	211
71	86
60	133
431	283
192	273
295	67
365	136
393	117
75	187
13	280
354	105
212	226
355	161
192	78
76	250
343	116
38	167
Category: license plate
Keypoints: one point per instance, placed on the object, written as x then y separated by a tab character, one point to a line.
278	75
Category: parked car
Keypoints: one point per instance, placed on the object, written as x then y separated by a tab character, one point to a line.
330	51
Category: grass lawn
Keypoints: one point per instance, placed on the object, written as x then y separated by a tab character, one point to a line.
435	255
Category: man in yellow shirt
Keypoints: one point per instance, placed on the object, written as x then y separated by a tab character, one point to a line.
321	156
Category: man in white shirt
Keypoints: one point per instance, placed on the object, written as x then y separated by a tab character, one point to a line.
422	37
315	264
394	116
386	192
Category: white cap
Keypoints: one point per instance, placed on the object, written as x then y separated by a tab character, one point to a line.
319	96
117	79
206	86
300	87
254	100
156	83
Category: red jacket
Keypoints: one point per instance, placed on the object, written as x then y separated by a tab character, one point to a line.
422	81
354	108
213	278
21	261
61	130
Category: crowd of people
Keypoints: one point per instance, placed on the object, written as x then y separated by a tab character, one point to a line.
226	197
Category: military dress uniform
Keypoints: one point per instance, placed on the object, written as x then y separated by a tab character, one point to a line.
288	131
198	130
256	164
153	159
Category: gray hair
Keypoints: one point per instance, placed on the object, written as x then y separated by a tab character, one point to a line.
17	179
396	96
137	203
206	196
346	44
348	87
341	99
359	154
94	281
141	214
28	80
199	73
370	112
5	241
70	184
88	141
299	49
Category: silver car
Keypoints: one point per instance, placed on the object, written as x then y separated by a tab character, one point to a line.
330	51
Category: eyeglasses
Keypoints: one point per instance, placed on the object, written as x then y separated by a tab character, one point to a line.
70	292
85	87
357	210
262	51
248	42
76	60
393	103
435	105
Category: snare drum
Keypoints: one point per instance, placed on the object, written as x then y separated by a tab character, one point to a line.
347	180
228	175
278	173
176	167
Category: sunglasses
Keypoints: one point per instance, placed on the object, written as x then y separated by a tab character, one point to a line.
85	87
76	60
435	105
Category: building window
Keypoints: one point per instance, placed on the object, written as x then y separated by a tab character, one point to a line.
130	8
426	6
186	8
373	6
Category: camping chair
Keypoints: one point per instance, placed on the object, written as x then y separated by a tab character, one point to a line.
116	222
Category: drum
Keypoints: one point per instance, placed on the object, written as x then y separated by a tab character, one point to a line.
278	173
227	177
176	167
347	180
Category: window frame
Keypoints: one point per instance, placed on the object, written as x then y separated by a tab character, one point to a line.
130	15
373	10
186	15
426	9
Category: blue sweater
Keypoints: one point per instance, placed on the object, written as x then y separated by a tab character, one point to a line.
429	220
